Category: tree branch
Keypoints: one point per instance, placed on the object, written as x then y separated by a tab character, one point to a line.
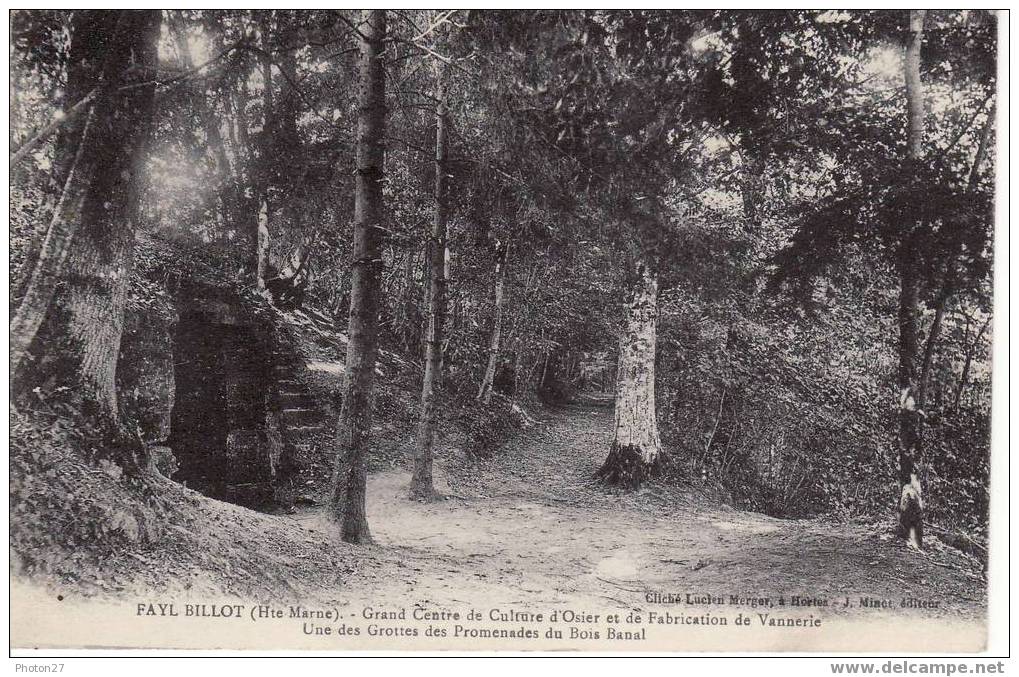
65	116
58	120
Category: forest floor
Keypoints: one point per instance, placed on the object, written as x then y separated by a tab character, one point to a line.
532	527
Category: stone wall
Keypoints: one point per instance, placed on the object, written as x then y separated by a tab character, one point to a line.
146	384
196	374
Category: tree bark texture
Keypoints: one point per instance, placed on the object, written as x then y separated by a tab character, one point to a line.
349	480
635	453
501	262
422	484
68	329
910	507
262	255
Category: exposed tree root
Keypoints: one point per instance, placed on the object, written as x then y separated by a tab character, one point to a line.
625	467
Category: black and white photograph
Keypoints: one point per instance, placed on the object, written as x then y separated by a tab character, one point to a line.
573	330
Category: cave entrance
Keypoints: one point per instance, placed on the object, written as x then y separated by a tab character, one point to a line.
218	423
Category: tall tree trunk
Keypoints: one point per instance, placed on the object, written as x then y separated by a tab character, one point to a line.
636	447
910	507
501	263
72	317
421	484
350	476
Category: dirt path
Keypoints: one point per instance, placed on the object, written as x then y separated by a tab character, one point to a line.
529	531
532	528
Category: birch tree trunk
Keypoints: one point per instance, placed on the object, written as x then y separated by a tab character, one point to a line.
910	507
422	485
71	319
350	476
485	392
262	255
635	453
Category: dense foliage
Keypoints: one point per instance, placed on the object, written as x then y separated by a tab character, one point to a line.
767	178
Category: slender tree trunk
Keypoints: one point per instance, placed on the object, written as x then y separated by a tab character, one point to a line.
452	303
421	484
910	416
262	255
636	447
518	360
350	476
72	317
910	507
752	190
265	161
964	377
544	367
447	261
501	263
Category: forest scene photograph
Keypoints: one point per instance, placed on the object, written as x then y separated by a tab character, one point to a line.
614	330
